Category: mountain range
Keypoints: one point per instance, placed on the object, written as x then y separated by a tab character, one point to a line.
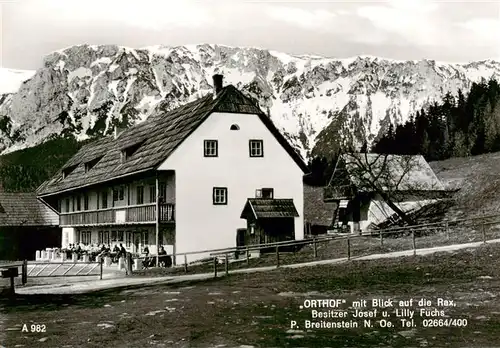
87	91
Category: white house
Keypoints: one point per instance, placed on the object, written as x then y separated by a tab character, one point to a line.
365	184
182	179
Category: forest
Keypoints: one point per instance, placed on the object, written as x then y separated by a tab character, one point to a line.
25	170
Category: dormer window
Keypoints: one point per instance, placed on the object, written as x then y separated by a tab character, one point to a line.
67	171
234	127
130	150
91	164
210	148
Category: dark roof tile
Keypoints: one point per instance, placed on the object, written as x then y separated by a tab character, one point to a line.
24	209
270	208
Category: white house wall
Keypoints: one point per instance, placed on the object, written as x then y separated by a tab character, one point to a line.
68	236
200	225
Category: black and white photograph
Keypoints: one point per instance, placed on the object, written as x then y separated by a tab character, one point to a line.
247	174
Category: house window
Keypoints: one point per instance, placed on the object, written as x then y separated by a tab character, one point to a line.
140	195
114	236
145	238
66	201
152	193
256	148
86	237
268	193
163	191
128	240
210	148
104	198
120	236
220	195
234	127
85	202
78	203
118	194
103	237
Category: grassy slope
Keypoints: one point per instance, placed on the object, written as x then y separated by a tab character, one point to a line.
477	177
256	309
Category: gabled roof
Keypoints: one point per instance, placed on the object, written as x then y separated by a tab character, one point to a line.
24	209
159	136
269	208
389	172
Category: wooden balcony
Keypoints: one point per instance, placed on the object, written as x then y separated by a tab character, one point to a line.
135	214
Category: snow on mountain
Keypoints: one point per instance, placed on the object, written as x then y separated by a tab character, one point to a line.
11	80
88	90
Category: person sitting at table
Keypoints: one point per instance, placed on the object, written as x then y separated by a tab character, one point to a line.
116	252
148	262
123	251
164	259
68	251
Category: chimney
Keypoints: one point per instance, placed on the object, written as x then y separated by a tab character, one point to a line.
217	83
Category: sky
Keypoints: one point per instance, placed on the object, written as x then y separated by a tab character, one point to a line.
452	31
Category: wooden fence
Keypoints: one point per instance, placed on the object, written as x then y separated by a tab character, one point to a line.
446	226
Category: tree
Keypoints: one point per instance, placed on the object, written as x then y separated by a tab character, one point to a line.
459	147
321	171
490	128
364	148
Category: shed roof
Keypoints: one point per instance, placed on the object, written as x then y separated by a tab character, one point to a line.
24	209
159	135
269	208
394	173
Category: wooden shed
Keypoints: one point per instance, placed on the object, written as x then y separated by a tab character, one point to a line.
26	225
269	220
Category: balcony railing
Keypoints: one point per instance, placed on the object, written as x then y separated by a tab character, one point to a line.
141	214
